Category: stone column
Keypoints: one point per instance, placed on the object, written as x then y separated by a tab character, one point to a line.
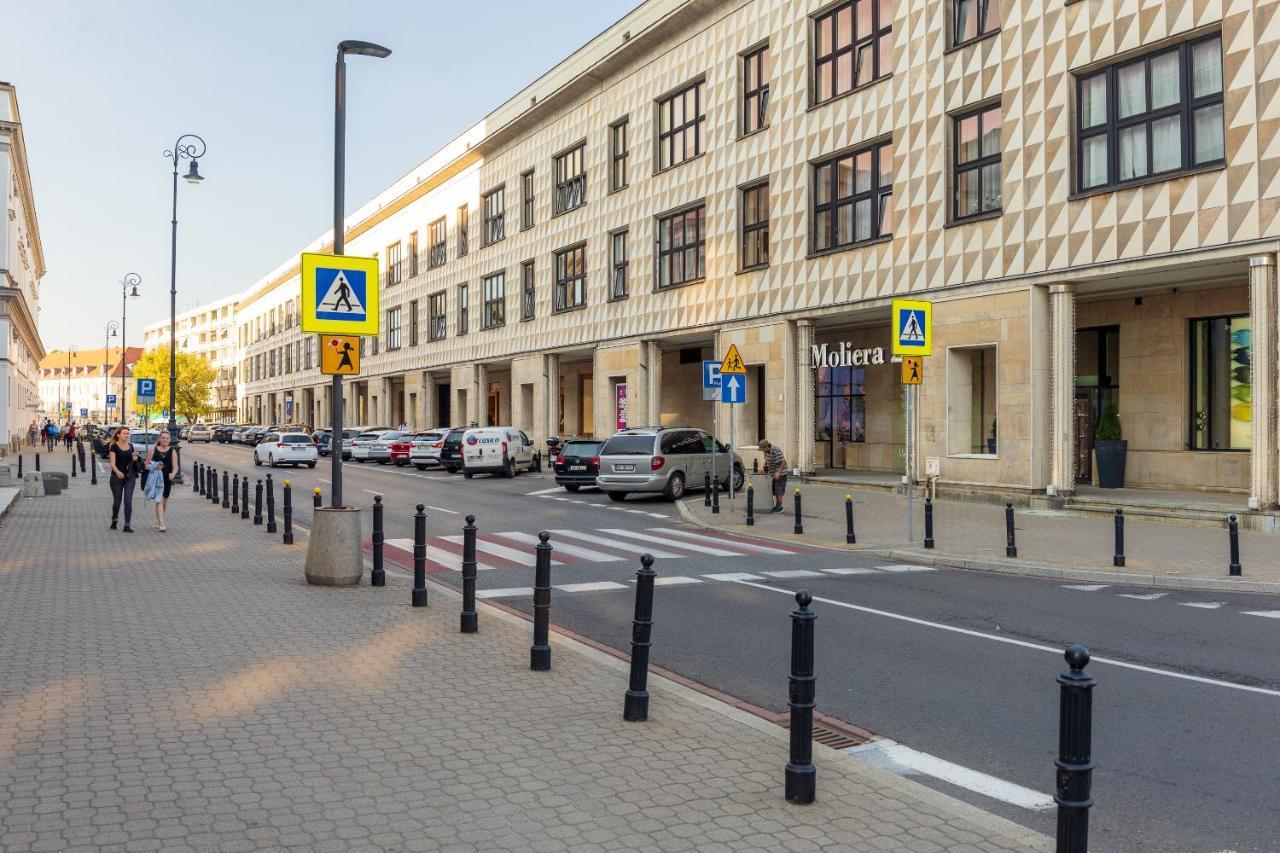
1062	388
804	402
551	379
429	402
413	399
653	383
480	395
1264	488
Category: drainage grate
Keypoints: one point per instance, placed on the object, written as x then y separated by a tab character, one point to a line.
831	737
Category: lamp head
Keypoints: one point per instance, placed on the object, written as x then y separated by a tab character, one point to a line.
113	332
135	291
193	173
364	48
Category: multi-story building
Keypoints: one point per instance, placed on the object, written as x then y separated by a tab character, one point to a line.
82	381
1085	191
210	332
21	268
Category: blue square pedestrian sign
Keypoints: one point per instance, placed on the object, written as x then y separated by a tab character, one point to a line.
339	294
912	327
146	391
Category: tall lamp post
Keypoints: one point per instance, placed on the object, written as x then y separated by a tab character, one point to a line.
71	353
191	147
113	329
128	289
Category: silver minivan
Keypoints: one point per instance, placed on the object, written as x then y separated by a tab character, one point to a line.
664	460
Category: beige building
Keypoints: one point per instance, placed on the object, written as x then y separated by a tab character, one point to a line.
83	381
208	331
1087	191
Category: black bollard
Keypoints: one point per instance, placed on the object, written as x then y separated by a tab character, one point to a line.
37	461
850	538
706	488
801	777
93	469
235	494
419	557
199	475
244	497
226	501
315	498
287	536
1233	533
73	465
19	466
469	622
1010	537
751	506
257	502
1118	559
799	527
271	505
80	453
378	577
540	651
715	496
635	708
928	522
755	465
213	485
1074	794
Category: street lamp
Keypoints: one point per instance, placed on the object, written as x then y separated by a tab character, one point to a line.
112	329
128	290
190	147
71	353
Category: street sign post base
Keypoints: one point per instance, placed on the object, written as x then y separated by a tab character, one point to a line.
334	557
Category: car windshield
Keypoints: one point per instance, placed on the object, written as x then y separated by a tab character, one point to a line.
367	436
428	436
390	436
454	436
583	448
350	433
628	445
296	438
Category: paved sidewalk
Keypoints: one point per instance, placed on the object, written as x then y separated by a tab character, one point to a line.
972	535
188	691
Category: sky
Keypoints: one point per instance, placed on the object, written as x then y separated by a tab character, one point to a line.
104	89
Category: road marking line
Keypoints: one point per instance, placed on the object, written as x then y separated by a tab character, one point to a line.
850	571
544	491
1150	596
594	586
673	580
1266	614
657	515
740	577
629	547
1086	587
370	491
897	758
505	593
1213	682
323	480
793	573
563	547
906	568
523	558
688	546
441	509
1204	605
698	537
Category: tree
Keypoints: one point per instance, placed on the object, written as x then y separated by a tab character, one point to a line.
195	378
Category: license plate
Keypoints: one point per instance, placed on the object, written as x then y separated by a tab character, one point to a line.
577	467
624	467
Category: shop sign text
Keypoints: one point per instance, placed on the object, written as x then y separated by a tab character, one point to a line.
821	355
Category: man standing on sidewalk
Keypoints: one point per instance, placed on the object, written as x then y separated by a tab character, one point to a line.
775	464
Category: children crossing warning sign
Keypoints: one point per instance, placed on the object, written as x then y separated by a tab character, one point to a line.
733	362
339	294
912	327
340	355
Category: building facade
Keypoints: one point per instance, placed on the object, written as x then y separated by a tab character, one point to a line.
21	268
1086	191
81	381
208	331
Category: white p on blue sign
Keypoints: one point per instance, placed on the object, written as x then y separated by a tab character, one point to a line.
84	413
111	399
146	391
711	380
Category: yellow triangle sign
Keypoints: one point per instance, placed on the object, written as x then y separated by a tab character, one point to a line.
733	362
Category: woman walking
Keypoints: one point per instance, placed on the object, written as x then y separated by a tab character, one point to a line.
124	462
169	462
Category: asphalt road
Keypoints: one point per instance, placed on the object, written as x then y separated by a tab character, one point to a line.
957	665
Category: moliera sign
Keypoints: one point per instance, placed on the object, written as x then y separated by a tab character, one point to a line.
821	355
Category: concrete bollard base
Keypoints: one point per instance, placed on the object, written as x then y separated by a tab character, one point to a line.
334	556
32	485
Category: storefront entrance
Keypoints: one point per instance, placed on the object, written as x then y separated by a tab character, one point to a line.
840	413
1097	383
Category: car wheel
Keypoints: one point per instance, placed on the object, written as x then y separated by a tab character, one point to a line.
739	478
420	466
311	464
257	463
449	469
271	460
400	463
571	487
509	470
618	496
467	474
675	487
382	461
361	461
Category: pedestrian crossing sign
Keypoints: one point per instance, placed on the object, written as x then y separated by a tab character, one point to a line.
339	294
912	327
339	355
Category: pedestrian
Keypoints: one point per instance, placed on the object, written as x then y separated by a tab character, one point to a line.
31	434
162	459
124	471
71	436
775	464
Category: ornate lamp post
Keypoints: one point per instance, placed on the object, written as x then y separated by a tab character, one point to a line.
113	329
71	353
188	147
128	289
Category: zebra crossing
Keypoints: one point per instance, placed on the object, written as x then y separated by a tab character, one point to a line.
1156	596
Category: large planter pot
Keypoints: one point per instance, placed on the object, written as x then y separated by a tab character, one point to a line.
1110	457
334	556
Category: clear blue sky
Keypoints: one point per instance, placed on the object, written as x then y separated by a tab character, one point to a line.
105	88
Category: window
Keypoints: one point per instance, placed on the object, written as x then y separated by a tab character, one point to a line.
682	247
306	353
436	317
464	222
413	254
571	278
495	207
571	179
395	268
1158	115
854	47
971	400
413	323
978	179
755	226
853	197
464	309
618	264
527	299
840	410
755	89
437	240
680	119
618	155
526	200
974	19
393	328
495	301
1221	383
374	343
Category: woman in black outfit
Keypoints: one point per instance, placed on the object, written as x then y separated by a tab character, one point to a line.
124	461
167	456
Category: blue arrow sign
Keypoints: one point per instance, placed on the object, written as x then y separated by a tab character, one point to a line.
733	389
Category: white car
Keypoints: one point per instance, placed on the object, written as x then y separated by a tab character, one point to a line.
501	451
425	448
200	432
286	448
362	446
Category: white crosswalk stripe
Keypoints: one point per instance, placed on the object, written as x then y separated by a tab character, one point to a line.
564	548
595	586
785	574
1150	596
905	568
523	558
630	547
510	592
1266	614
674	580
648	537
697	537
1086	587
1203	605
850	571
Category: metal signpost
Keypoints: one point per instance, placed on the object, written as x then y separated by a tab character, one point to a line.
733	390
912	336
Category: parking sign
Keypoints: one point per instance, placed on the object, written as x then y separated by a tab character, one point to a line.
711	380
146	391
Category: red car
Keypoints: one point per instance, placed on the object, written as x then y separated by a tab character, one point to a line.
401	447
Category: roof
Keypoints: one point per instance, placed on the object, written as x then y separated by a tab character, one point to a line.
90	360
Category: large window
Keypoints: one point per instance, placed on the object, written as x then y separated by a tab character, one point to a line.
571	278
571	179
974	19
1158	115
1221	383
495	301
526	200
527	295
841	412
618	153
680	120
618	264
393	328
436	319
464	225
495	211
853	46
464	309
395	266
853	197
971	400
977	180
413	254
682	247
755	89
437	240
413	323
755	226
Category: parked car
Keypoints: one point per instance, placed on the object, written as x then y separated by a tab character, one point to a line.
285	448
401	447
362	445
222	433
451	450
664	460
578	463
425	448
199	432
501	451
253	435
144	439
380	450
183	431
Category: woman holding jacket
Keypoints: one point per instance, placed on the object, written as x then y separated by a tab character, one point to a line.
162	459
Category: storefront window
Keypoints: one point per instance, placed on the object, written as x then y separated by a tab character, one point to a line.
1221	383
841	411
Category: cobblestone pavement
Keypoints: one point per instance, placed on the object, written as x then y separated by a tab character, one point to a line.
188	691
976	531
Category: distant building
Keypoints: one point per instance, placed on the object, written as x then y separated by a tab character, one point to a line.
208	331
21	268
83	382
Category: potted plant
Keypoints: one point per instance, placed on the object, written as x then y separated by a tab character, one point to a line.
1109	448
991	441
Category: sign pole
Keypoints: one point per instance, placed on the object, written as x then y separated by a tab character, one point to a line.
339	178
909	445
731	446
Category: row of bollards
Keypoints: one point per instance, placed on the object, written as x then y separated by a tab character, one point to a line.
233	495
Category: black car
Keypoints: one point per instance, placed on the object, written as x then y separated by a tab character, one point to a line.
577	463
253	436
451	451
222	433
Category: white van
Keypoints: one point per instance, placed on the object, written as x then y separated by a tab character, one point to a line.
496	450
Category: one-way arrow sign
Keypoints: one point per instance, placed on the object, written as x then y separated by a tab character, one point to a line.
733	388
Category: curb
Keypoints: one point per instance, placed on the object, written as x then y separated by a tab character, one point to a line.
1009	568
